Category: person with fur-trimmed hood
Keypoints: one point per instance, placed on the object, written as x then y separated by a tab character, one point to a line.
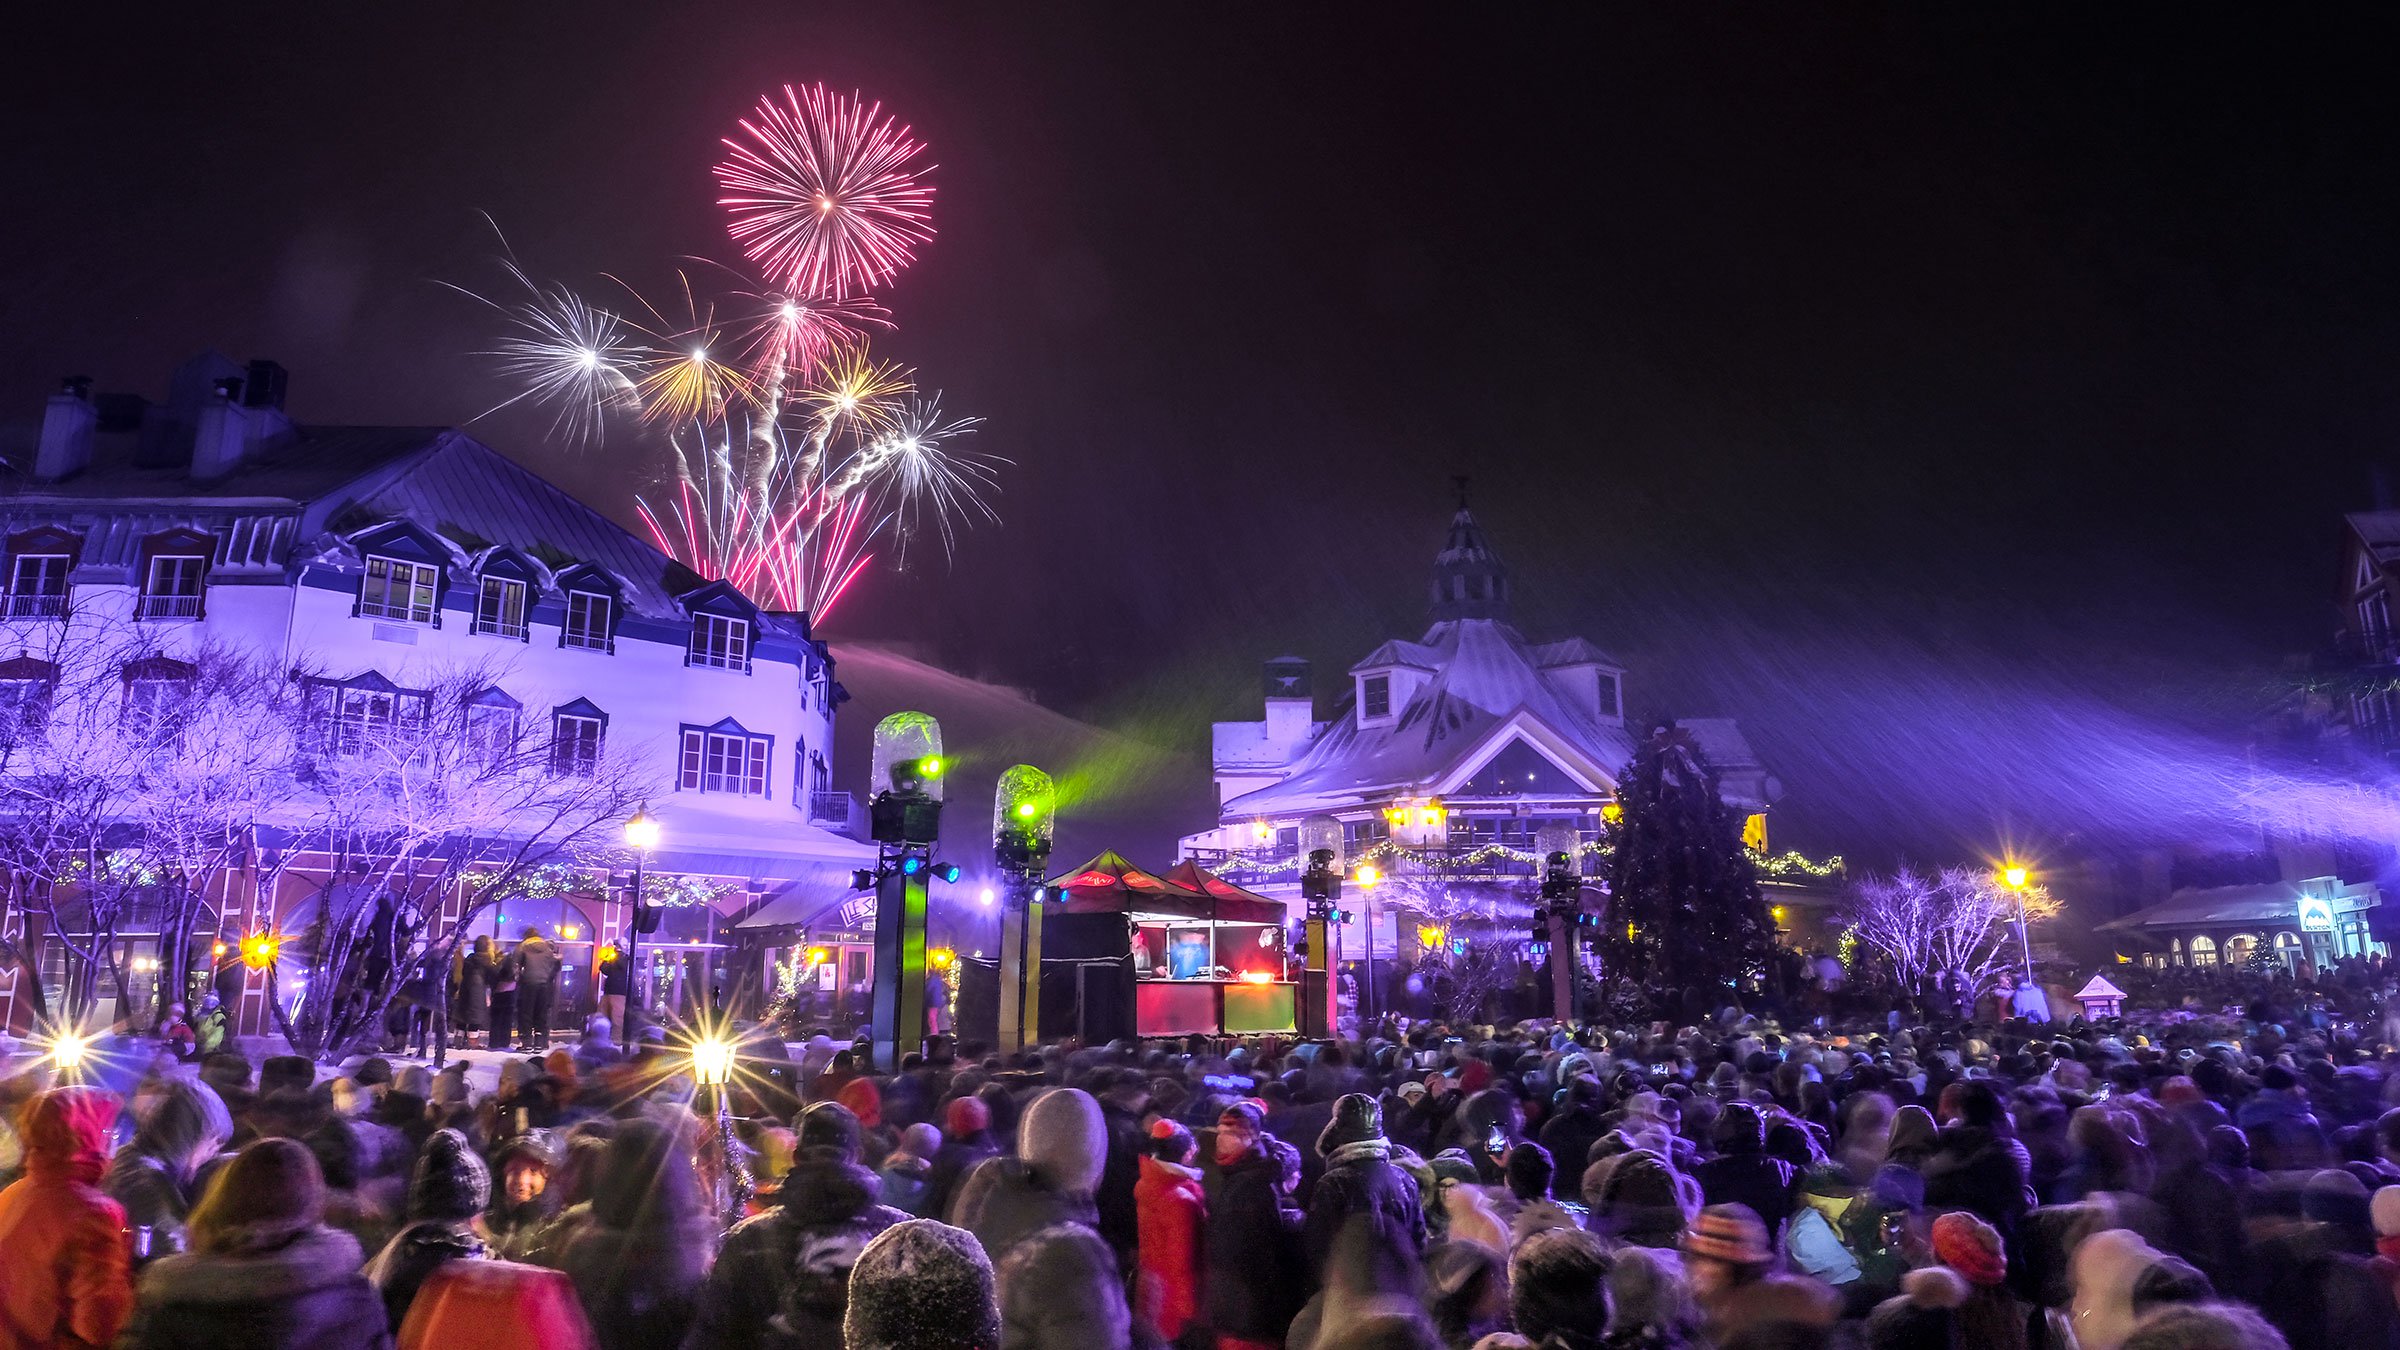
155	1176
446	1195
782	1278
1361	1183
1035	1215
263	1273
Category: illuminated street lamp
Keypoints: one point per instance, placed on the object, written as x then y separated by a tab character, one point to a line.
2015	877
642	833
67	1051
712	1068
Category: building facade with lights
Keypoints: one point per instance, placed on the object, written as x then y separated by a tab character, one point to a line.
379	565
1446	755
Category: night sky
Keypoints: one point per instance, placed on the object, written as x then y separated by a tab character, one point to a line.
1963	397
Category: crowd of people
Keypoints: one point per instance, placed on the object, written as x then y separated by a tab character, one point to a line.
2169	1184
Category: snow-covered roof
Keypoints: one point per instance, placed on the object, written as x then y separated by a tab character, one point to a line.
2098	987
2379	531
1485	675
2261	903
1572	652
1396	652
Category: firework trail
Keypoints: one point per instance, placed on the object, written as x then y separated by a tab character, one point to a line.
792	452
825	192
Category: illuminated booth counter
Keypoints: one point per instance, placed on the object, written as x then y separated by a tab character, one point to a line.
1185	954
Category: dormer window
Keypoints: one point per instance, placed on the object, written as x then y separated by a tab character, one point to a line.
396	588
720	642
39	561
500	608
1608	704
37	585
588	623
172	587
1375	696
578	731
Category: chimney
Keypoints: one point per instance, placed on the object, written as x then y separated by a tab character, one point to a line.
66	445
223	435
1291	703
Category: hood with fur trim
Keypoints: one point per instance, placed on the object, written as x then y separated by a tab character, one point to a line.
315	1259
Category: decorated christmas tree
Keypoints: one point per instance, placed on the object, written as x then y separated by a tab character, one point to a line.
1686	922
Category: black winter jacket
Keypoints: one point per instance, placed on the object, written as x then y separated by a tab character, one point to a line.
1372	1189
782	1279
1253	1249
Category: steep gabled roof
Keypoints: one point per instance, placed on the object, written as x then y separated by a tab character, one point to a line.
1396	652
1484	677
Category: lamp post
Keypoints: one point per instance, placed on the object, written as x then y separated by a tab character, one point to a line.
2014	876
712	1068
642	833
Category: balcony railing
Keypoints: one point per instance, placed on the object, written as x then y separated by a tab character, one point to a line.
836	811
167	607
36	606
500	628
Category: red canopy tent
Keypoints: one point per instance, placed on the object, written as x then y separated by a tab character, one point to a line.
1109	884
1231	904
1111	891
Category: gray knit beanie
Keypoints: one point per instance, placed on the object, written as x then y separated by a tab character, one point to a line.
922	1285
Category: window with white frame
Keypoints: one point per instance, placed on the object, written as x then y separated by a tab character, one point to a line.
587	624
1375	696
720	642
172	587
156	692
500	607
725	758
577	733
395	588
26	687
490	724
37	585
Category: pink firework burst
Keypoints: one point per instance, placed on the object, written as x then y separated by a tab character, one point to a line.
826	192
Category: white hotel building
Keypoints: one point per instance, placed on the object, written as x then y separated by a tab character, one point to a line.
374	557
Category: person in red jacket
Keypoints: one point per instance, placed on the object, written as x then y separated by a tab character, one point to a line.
1169	1207
68	1283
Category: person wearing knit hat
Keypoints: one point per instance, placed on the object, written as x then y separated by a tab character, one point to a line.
1170	1211
1558	1288
1971	1247
1925	1314
922	1285
1639	1202
263	1272
1362	1185
966	1142
154	1177
791	1265
908	1169
1730	1235
2383	1212
447	1191
1036	1218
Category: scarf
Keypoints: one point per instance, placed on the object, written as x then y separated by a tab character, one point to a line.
1361	1151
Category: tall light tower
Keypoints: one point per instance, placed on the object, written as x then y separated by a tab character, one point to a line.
1024	817
1562	909
905	820
1321	888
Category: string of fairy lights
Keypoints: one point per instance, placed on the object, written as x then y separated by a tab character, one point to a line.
1383	854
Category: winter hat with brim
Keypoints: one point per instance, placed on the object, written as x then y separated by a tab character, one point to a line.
828	1126
1064	1140
1729	1233
1971	1247
270	1193
451	1184
1452	1165
1356	1120
921	1285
